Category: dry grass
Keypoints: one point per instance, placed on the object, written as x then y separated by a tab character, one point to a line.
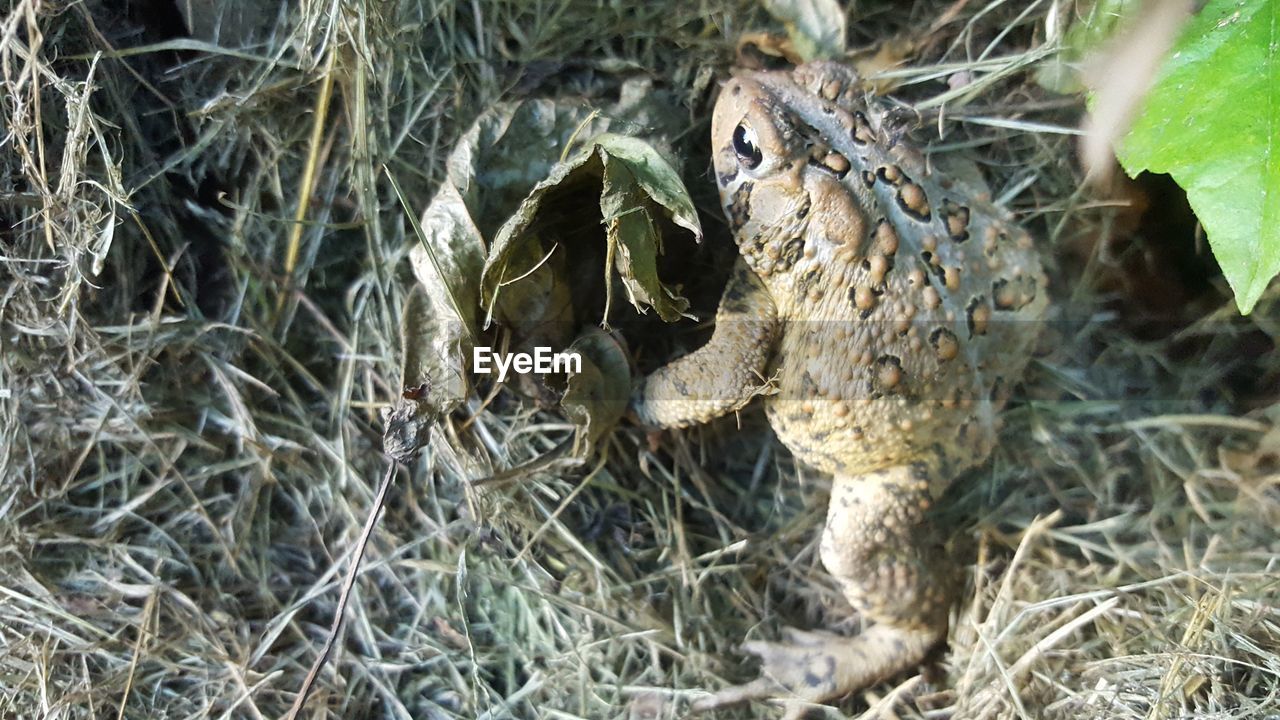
189	436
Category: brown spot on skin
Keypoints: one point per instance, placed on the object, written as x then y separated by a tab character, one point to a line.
753	247
877	266
978	314
837	164
821	673
810	278
740	206
862	298
789	254
999	393
891	174
831	89
912	200
1015	294
868	178
1004	293
951	278
990	239
917	278
862	133
945	344
889	373
957	220
886	238
931	298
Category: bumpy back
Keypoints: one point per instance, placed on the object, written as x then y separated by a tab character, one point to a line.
910	302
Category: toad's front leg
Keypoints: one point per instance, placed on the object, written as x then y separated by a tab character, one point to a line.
726	373
880	549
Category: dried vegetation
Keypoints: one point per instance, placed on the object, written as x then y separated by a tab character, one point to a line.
201	269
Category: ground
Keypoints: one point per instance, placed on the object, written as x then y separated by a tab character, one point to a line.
192	363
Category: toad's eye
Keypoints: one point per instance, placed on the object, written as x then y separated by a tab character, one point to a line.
744	144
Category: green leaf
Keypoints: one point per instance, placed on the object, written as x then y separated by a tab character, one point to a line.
1212	121
654	175
634	174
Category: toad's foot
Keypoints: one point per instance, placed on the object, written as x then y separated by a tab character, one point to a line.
817	667
879	546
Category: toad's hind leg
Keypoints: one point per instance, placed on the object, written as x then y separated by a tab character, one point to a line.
880	549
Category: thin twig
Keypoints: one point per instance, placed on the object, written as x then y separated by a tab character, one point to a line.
345	596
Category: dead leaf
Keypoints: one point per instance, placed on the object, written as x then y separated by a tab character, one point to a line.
889	55
621	181
515	219
816	27
431	373
755	49
596	397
